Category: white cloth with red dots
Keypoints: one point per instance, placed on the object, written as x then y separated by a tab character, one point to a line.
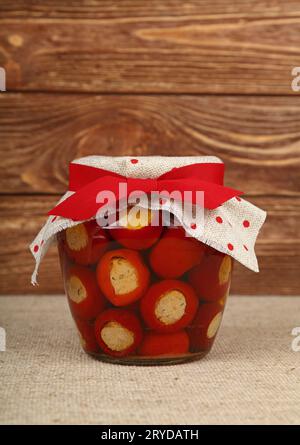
232	228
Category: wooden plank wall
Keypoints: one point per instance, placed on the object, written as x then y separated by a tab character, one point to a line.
135	77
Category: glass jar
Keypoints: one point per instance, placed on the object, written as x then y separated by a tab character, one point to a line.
144	294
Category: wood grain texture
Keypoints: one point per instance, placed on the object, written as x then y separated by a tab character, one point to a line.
198	77
116	9
258	140
133	46
278	248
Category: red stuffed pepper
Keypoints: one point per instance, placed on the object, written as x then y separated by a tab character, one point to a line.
85	298
205	326
211	279
86	242
175	253
155	344
122	276
118	332
169	306
87	336
138	233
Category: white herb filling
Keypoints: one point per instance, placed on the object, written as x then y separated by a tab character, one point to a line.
214	325
170	307
116	337
123	276
77	237
76	290
225	269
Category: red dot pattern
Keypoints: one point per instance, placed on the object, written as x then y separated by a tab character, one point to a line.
134	161
193	226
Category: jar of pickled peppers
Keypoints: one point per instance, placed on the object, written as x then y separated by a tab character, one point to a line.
144	293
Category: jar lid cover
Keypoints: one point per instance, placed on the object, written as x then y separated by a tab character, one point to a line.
231	228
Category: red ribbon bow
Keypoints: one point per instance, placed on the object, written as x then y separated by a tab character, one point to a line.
87	182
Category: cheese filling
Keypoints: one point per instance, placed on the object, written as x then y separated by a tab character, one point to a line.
136	218
170	307
225	296
76	290
116	337
214	325
77	237
225	269
123	276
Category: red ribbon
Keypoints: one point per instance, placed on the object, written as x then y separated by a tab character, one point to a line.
87	182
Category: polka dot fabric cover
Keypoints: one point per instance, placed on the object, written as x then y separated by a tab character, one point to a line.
231	228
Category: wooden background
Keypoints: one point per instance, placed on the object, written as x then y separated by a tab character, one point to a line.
133	77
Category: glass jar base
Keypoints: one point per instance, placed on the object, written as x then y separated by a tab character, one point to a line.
151	361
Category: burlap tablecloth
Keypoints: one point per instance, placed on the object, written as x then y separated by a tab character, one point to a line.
251	376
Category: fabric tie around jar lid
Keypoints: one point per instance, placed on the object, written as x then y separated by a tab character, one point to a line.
230	227
86	183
